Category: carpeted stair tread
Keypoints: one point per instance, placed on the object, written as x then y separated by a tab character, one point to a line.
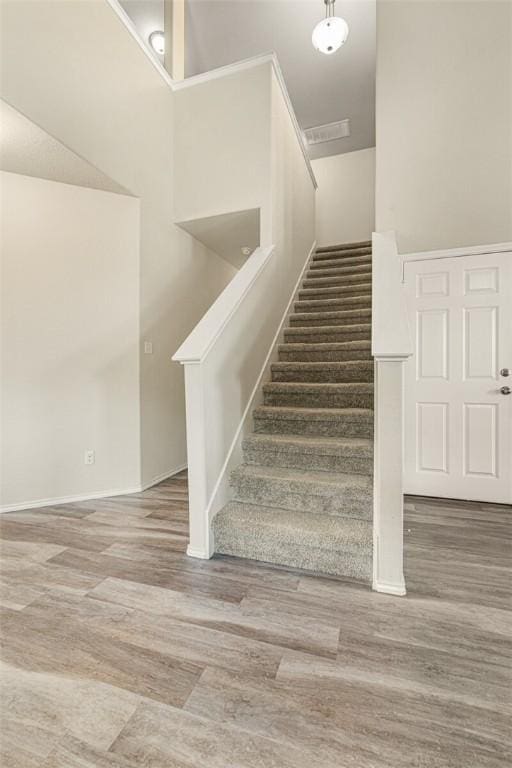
316	422
304	330
334	304
331	282
318	387
327	454
315	414
340	261
340	494
336	371
325	395
323	544
313	482
343	247
338	446
336	291
325	446
342	257
323	333
328	350
338	271
335	317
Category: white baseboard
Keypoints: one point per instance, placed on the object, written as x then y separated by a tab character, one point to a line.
69	499
163	476
390	589
201	554
55	501
221	492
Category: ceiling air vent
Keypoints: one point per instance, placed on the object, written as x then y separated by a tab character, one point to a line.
328	132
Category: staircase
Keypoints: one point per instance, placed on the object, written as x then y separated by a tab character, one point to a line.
304	495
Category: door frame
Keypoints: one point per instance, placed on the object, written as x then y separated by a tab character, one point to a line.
450	253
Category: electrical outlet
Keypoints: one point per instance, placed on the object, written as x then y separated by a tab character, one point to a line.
148	347
89	457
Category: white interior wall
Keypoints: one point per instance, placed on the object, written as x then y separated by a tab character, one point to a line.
69	339
444	122
84	79
345	199
226	167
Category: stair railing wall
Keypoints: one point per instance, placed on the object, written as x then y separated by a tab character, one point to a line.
391	346
237	145
220	362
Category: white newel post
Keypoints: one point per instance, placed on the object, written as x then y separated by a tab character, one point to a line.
388	574
200	544
391	346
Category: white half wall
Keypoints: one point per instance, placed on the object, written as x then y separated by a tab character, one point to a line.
444	122
70	338
345	198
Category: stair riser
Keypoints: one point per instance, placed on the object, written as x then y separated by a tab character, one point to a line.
333	282
276	493
309	461
352	319
340	293
333	305
338	263
344	375
313	428
325	274
327	356
319	400
300	555
334	337
342	252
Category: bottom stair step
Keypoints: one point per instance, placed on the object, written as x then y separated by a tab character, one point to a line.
320	543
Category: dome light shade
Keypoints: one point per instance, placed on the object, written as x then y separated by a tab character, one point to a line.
157	42
329	34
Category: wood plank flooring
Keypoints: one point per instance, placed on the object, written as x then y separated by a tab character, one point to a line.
118	651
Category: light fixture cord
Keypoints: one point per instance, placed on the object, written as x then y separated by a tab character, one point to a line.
329	8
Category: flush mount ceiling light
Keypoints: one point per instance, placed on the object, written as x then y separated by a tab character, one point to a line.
330	33
157	41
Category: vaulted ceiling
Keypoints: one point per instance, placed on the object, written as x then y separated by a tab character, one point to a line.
323	89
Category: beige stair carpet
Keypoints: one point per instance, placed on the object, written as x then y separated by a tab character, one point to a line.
304	495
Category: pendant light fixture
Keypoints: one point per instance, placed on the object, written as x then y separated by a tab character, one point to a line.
330	33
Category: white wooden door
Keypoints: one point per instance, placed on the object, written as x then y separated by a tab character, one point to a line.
458	419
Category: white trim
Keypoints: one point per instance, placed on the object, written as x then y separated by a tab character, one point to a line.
199	553
225	70
199	342
214	74
390	589
450	253
57	500
163	476
213	504
69	499
242	66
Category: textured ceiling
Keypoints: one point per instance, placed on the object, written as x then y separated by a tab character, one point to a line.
28	150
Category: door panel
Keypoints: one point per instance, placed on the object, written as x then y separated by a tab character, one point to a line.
458	424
